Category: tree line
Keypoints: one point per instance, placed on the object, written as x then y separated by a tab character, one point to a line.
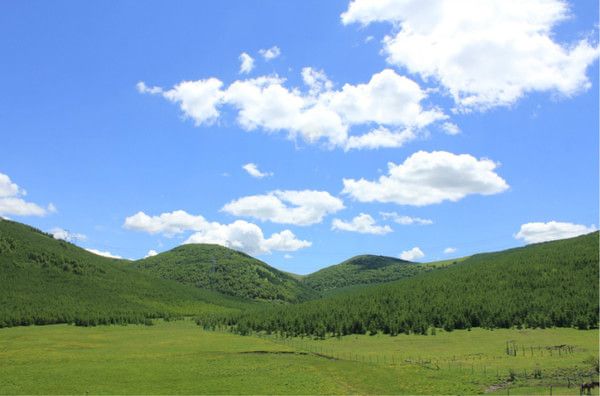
543	285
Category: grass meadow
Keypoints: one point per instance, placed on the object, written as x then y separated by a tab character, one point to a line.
179	357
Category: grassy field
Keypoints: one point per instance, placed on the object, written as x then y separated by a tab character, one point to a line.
180	358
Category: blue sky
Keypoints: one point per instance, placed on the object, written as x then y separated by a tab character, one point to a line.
493	135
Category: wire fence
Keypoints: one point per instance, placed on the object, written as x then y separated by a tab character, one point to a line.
470	366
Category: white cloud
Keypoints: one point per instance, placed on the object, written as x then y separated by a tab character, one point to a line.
8	188
288	256
104	253
247	237
143	88
59	233
12	203
363	224
151	253
427	178
412	254
450	128
171	223
246	63
450	250
239	235
388	98
301	208
198	100
284	241
316	81
387	102
485	53
379	138
265	103
253	171
552	230
270	53
405	220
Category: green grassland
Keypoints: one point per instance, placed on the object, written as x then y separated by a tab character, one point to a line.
180	358
214	267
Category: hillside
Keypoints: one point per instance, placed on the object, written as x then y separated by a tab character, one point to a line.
541	285
45	280
224	270
362	270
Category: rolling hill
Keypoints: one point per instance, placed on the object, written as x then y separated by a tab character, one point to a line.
547	284
363	270
44	280
225	270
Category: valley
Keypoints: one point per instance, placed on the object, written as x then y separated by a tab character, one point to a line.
204	319
178	357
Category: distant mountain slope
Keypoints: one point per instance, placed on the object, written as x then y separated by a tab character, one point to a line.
43	280
547	284
224	270
362	270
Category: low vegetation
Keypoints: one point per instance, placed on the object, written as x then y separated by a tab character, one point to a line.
179	358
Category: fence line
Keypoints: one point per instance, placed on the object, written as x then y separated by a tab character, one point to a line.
454	365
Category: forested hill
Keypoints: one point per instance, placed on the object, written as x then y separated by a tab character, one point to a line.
225	270
44	280
541	285
362	270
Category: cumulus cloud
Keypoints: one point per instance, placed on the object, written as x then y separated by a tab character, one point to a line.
270	53
151	253
264	102
388	98
246	63
8	188
143	88
198	100
59	233
427	178
301	208
13	204
239	235
450	128
316	80
389	105
380	138
405	220
412	254
253	171
484	53
363	224
169	224
450	250
552	230
104	253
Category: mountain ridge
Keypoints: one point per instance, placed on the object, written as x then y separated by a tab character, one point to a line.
224	270
45	280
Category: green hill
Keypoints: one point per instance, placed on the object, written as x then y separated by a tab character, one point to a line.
541	285
44	280
224	270
362	270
